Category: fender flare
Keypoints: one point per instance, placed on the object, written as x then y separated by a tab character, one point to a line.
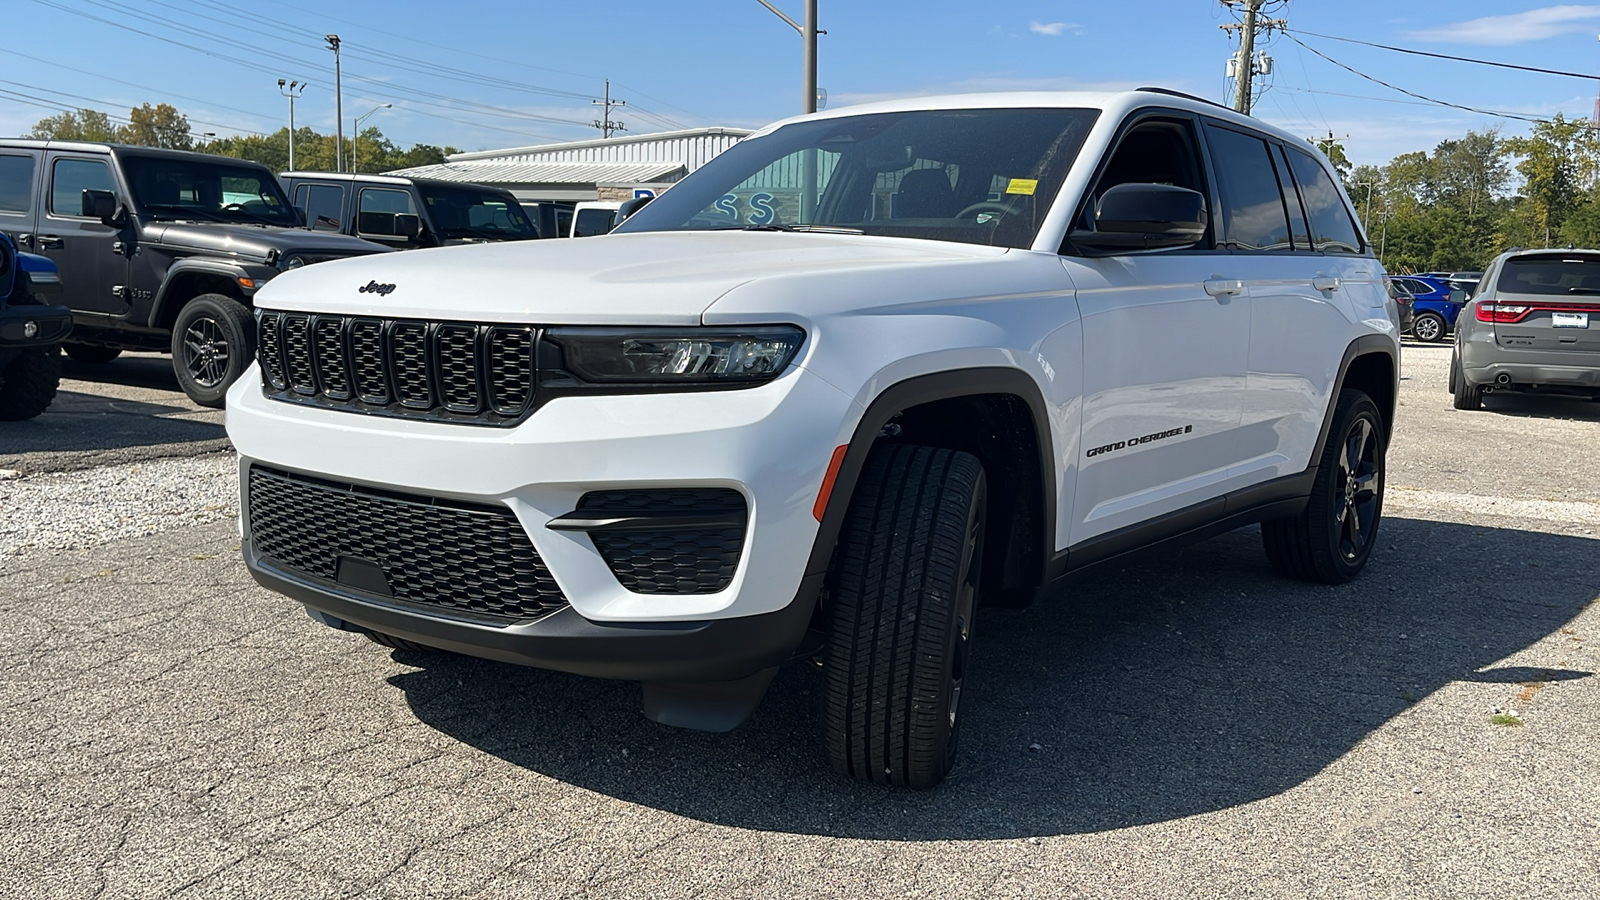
230	270
1365	345
916	391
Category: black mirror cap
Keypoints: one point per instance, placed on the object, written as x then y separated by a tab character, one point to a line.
407	225
1132	217
629	207
100	205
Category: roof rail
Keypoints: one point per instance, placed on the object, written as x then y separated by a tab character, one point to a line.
1172	93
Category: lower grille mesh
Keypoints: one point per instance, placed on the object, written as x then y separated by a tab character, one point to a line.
671	560
456	558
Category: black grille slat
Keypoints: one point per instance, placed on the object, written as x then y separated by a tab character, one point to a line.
297	354
671	560
457	559
459	366
327	335
458	372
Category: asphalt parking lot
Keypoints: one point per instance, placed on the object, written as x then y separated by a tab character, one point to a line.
1179	724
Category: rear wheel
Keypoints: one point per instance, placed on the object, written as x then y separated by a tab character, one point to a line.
89	353
213	342
1428	327
1331	540
1467	394
28	384
900	604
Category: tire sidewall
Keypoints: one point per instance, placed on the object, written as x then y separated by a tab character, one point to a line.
238	330
1327	489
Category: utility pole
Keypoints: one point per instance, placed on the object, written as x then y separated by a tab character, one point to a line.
604	123
292	91
808	51
338	106
1245	65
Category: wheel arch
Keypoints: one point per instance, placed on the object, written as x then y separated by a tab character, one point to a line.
188	280
997	414
1371	364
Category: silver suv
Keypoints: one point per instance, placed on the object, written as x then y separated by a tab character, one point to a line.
1534	327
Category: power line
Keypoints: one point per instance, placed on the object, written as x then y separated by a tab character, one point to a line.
108	103
1465	59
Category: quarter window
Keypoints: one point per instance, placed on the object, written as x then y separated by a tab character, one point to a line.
1291	201
72	177
16	183
1333	229
321	204
1253	212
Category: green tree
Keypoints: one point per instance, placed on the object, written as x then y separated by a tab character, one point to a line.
156	126
1558	159
82	125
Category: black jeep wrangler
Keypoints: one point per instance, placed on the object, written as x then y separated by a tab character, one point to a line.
159	249
30	333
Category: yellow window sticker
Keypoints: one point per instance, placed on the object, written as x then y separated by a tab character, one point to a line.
1022	186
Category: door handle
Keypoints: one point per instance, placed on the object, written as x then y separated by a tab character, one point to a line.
25	239
1325	283
1224	287
50	242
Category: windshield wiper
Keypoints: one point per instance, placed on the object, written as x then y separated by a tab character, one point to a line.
808	229
1583	290
474	232
186	211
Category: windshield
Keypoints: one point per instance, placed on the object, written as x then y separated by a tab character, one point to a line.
975	176
467	212
1562	274
184	188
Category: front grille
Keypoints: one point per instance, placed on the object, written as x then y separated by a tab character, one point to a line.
477	374
678	560
457	559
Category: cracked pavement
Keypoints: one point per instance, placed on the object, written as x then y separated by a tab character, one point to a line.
1172	724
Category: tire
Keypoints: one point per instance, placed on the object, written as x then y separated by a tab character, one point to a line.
28	384
213	342
1332	539
1466	394
900	601
394	643
89	353
1429	327
1454	379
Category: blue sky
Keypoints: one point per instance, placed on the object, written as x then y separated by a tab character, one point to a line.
480	75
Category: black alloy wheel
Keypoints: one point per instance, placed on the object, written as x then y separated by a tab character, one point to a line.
1332	539
213	342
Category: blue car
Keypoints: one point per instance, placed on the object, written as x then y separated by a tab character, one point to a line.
30	333
1434	313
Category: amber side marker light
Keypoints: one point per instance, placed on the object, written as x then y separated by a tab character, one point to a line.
247	282
828	479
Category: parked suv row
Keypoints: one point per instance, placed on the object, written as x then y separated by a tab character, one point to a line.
859	374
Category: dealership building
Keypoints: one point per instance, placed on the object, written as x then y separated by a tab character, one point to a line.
598	169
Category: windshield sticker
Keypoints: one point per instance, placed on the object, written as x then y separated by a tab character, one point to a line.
1134	442
1023	186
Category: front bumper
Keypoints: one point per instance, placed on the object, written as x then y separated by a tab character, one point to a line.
51	325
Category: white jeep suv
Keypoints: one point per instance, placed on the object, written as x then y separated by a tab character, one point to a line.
861	373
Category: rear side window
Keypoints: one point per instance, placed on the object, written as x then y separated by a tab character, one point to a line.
1562	275
16	183
321	204
1253	213
1333	230
591	222
71	178
378	208
1291	201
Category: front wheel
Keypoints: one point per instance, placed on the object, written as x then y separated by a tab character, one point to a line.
1428	327
1331	540
28	384
900	602
213	342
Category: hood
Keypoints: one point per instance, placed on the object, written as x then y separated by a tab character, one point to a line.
645	278
253	241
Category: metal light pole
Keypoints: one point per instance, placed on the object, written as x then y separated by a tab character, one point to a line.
355	137
808	99
294	90
338	106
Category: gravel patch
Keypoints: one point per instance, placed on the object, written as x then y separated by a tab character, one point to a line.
73	510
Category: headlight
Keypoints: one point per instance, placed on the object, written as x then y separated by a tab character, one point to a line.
678	355
292	261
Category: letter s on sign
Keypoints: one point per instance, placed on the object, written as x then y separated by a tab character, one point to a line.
761	211
728	205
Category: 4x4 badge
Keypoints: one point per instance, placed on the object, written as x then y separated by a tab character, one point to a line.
372	287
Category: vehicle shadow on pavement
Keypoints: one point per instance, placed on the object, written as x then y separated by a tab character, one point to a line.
1555	406
79	422
143	371
1158	687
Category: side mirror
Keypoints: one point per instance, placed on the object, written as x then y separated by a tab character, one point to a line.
408	226
629	207
1133	217
100	205
1457	295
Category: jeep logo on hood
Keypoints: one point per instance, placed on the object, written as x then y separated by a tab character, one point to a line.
372	287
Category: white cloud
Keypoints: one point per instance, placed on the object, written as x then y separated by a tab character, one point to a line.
1519	28
1051	28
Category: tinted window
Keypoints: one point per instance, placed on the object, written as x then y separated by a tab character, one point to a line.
473	212
16	183
1253	216
591	222
1554	274
1291	200
1333	230
322	205
73	177
377	208
173	187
